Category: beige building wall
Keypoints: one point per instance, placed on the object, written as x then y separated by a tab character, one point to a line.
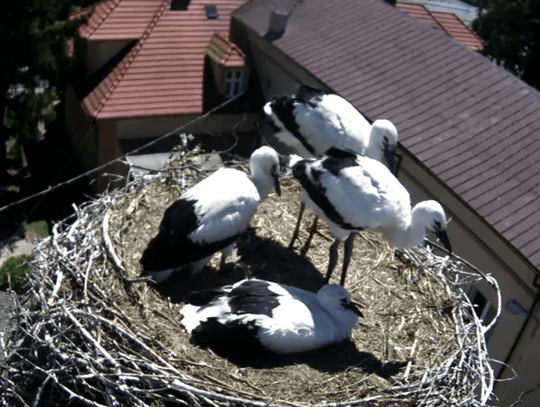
276	78
141	127
271	83
101	138
108	150
94	141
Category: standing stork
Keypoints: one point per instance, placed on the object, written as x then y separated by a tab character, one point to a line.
312	121
210	217
357	193
255	315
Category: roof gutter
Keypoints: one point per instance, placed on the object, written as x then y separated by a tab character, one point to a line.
521	331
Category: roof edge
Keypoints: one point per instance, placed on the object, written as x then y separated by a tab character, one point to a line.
124	65
93	7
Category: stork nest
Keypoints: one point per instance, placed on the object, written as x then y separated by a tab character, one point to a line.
92	332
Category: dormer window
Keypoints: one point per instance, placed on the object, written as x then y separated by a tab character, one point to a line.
234	83
231	75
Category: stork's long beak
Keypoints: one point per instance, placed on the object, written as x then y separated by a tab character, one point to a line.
353	307
443	237
275	175
389	156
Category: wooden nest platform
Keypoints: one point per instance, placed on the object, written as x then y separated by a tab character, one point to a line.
92	332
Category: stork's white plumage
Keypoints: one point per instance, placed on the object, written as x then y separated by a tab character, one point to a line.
312	121
210	217
357	193
261	314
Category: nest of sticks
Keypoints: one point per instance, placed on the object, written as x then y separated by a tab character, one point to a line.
91	331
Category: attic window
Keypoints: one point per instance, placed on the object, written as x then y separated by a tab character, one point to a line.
180	4
211	12
234	83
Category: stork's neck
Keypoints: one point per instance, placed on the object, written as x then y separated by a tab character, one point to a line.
344	322
410	233
262	181
374	148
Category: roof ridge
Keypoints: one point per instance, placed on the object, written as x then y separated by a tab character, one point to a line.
436	21
94	6
126	62
232	47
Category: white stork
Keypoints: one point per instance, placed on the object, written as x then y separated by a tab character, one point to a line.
357	193
312	121
262	315
210	217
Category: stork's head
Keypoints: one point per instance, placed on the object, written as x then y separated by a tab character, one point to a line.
265	162
432	213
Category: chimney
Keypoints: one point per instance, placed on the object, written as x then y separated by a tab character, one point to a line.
278	23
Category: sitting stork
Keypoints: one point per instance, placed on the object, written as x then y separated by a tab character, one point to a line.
257	315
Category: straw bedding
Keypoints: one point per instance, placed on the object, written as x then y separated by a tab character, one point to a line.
92	332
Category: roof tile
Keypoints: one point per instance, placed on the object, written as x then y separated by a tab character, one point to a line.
119	19
420	12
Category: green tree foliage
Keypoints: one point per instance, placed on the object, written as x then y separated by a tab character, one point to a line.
511	31
32	54
13	271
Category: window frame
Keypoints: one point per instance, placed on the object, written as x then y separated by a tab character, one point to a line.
233	85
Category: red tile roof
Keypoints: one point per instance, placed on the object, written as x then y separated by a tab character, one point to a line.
163	73
225	52
119	19
473	125
457	29
447	22
420	12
